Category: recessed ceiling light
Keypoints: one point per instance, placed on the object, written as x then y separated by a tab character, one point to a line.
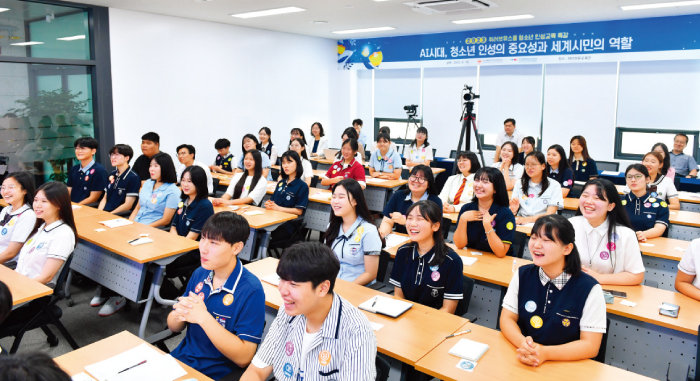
268	12
493	19
659	5
350	31
28	43
4	9
72	38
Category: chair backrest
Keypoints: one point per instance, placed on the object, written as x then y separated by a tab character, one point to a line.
463	305
453	154
383	369
576	189
384	259
697	357
608	166
59	290
517	248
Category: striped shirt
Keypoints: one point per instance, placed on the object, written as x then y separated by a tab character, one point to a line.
345	348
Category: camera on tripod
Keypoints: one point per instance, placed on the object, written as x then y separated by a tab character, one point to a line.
468	95
411	110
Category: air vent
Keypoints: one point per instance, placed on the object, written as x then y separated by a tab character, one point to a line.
446	7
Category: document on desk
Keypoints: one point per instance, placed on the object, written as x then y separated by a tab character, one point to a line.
610	173
117	222
253	212
376	180
395	240
273	279
469	349
141	363
468	261
386	306
529	225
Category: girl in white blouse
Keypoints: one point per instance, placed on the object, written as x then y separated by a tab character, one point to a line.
468	164
297	145
246	187
508	165
665	189
17	219
419	151
535	196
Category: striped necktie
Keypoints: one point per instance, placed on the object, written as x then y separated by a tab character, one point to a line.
459	191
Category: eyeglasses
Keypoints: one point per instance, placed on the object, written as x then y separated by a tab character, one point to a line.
634	177
419	180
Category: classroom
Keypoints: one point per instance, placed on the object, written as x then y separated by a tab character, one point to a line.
204	177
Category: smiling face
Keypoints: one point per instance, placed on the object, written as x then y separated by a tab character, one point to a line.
464	165
526	146
383	145
507	153
264	137
43	208
652	164
483	188
534	168
187	186
679	143
249	144
249	162
294	135
301	298
420	229
417	183
12	191
548	252
660	150
342	202
296	147
553	158
315	130
84	153
347	152
594	208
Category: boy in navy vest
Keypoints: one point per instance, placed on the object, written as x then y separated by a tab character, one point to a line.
88	179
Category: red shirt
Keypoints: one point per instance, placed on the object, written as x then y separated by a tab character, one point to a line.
354	170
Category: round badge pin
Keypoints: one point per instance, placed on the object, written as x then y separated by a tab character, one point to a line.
288	371
198	288
228	299
324	358
647	205
289	348
530	306
536	322
4	231
435	276
509	225
604	255
610	246
565	322
655	205
623	202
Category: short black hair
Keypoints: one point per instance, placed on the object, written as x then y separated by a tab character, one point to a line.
473	160
86	142
350	132
190	149
292	156
383	136
309	262
5	302
167	168
26	181
124	150
151	137
357	121
683	135
31	366
222	143
511	120
320	128
226	226
559	229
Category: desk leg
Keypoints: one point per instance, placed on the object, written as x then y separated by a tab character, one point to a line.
157	279
264	243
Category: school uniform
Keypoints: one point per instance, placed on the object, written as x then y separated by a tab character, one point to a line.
319	145
270	150
210	180
646	211
83	180
458	185
119	187
15	227
425	284
362	139
400	201
555	311
419	154
503	225
565	178
265	164
533	203
354	170
191	216
308	170
257	193
690	262
682	163
620	254
344	349
152	203
294	194
664	188
239	306
141	166
515	171
387	163
224	162
392	147
56	241
362	238
584	169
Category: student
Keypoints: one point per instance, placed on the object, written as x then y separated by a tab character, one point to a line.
346	167
660	185
351	234
667	169
159	196
526	146
31	366
558	168
297	133
687	280
361	138
17	219
223	307
266	145
297	145
535	196
351	133
684	165
319	138
426	270
419	151
385	163
583	166
87	180
509	134
511	170
194	207
392	145
123	183
317	334
559	312
222	163
459	189
648	216
607	245
250	142
421	186
486	223
247	187
291	196
150	146
186	157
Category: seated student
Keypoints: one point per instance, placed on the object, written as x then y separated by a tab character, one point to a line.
687	279
31	366
298	146
87	180
223	306
558	168
535	196
17	219
552	310
246	187
351	234
607	245
194	207
298	133
150	146
419	151
667	169
266	146
385	163
583	166
186	157
486	223
250	142
351	133
459	189
392	145
361	138
291	195
320	141
648	216
347	167
660	185
223	162
526	146
159	196
421	186
684	165
512	170
123	184
317	334
426	270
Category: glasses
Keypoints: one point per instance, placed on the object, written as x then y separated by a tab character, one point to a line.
416	179
634	177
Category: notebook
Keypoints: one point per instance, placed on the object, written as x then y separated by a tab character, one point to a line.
139	363
469	349
117	222
329	153
386	306
395	240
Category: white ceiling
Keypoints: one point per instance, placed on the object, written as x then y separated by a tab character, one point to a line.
355	14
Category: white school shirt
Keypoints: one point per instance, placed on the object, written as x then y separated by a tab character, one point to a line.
516	138
515	171
691	261
392	146
18	228
308	170
210	181
256	194
419	154
622	254
449	190
273	152
664	188
532	203
53	241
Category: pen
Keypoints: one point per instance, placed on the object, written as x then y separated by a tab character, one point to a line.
374	302
134	240
131	367
458	333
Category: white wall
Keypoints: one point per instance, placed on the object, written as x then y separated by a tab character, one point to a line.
194	81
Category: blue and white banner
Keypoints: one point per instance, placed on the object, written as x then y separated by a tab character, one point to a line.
676	37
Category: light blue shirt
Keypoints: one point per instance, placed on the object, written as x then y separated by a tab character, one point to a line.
265	164
152	204
387	163
361	239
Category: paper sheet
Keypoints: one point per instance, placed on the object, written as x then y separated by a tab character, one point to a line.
272	279
468	261
140	241
117	222
610	173
253	213
82	376
158	366
395	240
376	326
376	180
627	303
76	207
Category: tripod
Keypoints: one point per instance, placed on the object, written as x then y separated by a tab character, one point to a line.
467	118
405	135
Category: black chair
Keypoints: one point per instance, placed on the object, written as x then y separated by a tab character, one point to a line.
608	166
453	154
463	305
382	270
278	241
214	186
603	344
576	189
517	248
47	312
383	368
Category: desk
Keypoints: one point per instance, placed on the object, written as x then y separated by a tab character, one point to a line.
23	289
318	210
74	362
690	201
224	179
